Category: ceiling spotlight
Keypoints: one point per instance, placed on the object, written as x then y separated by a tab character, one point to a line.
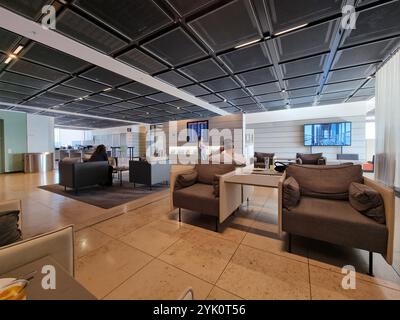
178	108
370	77
283	90
8	60
291	29
225	100
247	43
108	89
18	50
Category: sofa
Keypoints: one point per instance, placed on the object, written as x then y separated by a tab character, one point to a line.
259	159
148	173
317	202
310	158
202	188
76	175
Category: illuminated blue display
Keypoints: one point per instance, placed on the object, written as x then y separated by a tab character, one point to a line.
327	134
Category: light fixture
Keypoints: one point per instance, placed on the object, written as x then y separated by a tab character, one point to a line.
247	43
283	90
14	54
8	60
179	108
291	29
108	89
370	77
18	50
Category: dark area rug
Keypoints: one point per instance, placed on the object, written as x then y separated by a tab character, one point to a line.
107	197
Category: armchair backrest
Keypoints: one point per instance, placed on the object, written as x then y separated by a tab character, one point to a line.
206	172
312	158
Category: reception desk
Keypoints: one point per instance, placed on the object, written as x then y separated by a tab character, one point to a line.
38	162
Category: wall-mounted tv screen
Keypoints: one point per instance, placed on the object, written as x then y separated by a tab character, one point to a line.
327	134
197	129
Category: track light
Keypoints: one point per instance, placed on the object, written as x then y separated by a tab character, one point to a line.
18	50
14	54
247	43
291	29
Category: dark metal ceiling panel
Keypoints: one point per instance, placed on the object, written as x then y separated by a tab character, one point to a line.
142	61
42	102
247	58
84	84
221	84
342	86
28	8
101	98
8	40
134	18
17	89
180	103
174	78
79	28
12	95
72	92
203	70
18	79
370	84
185	7
193	108
357	99
210	98
360	72
306	42
120	94
238	21
37	71
370	92
104	76
242	101
303	82
270	97
258	76
53	58
273	104
138	88
302	100
265	88
303	66
234	94
298	93
287	14
195	90
144	101
335	95
162	97
369	53
375	23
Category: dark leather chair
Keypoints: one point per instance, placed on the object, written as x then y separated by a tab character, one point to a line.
311	158
259	159
148	173
76	175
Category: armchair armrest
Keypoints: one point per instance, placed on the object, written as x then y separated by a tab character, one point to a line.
12	205
174	173
389	202
280	203
322	161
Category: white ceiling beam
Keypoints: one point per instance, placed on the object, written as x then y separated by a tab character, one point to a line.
34	31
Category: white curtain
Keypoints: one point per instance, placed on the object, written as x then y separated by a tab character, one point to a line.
387	115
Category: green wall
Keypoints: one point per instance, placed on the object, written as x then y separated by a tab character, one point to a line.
15	140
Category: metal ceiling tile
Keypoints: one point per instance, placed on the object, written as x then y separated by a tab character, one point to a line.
342	86
37	71
79	28
365	92
231	109
174	78
144	101
120	94
270	97
273	104
287	14
360	72
193	108
101	98
304	66
222	104
12	95
298	93
42	102
238	21
362	98
363	54
195	90
138	88
234	94
258	76
328	102
265	88
84	84
17	89
210	98
247	58
8	40
104	76
303	82
242	101
180	103
335	95
60	98
375	23
30	9
134	18
162	97
175	47
185	7
142	61
302	100
306	42
370	84
72	92
221	84
53	58
203	70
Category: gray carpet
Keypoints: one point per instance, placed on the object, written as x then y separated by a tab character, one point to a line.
107	197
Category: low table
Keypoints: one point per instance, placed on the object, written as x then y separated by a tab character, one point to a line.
67	288
119	170
257	178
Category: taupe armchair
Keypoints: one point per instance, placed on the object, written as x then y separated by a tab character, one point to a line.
312	159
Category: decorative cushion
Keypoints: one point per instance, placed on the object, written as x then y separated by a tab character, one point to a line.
186	179
9	230
367	201
291	193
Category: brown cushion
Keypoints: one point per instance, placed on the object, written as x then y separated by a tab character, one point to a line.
336	222
368	201
309	158
9	229
260	156
326	182
291	193
199	198
206	172
186	179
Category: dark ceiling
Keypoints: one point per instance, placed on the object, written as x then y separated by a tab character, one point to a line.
192	45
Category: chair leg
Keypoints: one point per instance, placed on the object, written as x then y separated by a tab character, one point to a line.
216	224
180	215
371	264
289	242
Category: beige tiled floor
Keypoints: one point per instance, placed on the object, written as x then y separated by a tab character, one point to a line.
144	253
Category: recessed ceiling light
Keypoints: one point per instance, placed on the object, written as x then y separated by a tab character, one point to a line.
283	90
247	43
178	108
18	50
108	89
225	100
291	29
8	60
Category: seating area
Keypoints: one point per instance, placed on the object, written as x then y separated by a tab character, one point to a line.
199	150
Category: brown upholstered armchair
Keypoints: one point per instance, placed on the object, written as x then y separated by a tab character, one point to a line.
317	202
312	158
259	159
